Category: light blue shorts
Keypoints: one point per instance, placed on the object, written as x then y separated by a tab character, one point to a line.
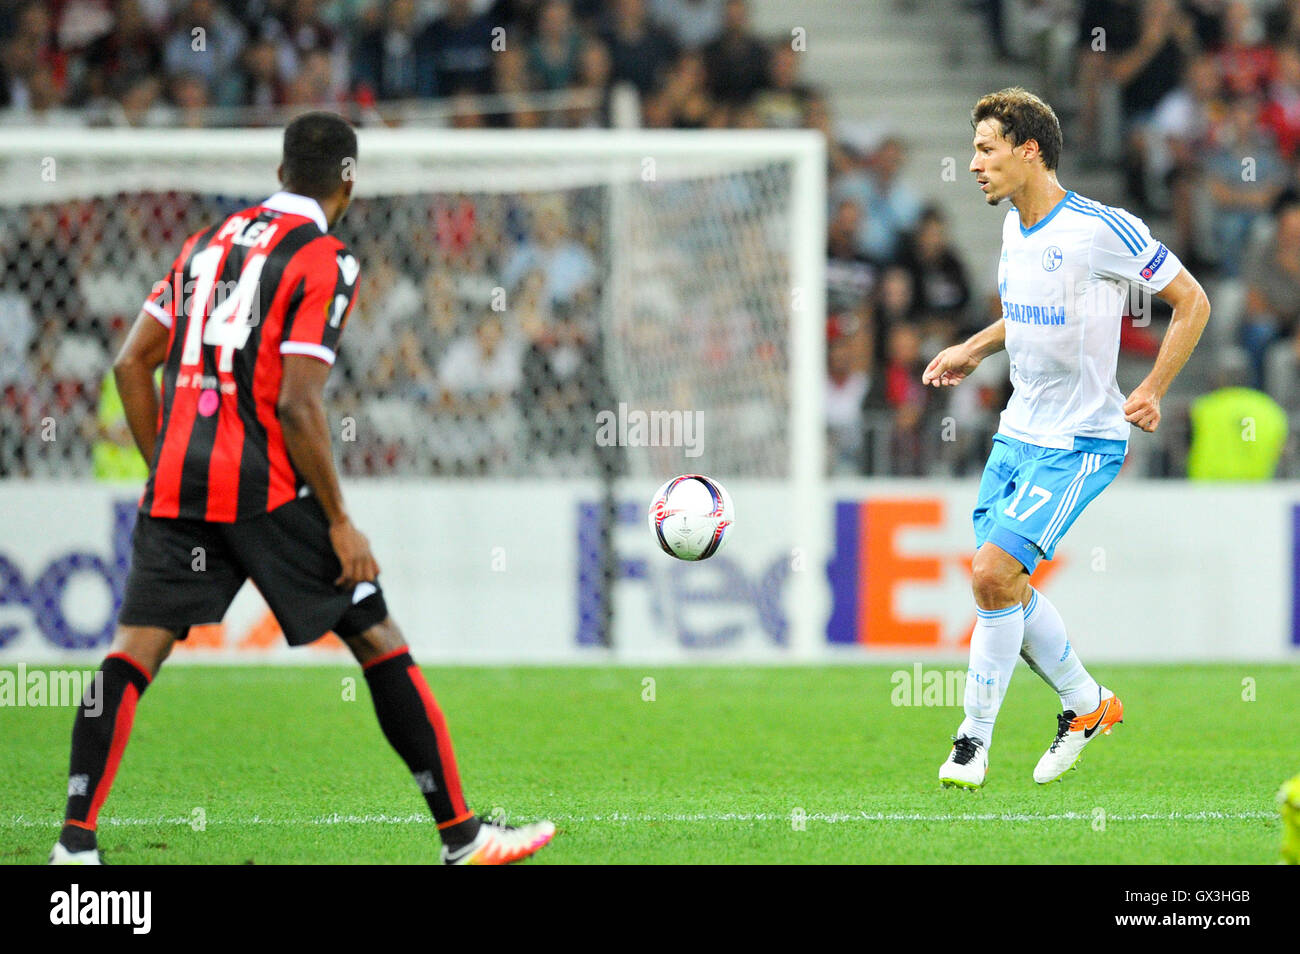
1030	495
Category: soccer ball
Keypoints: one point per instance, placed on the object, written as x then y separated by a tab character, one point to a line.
690	515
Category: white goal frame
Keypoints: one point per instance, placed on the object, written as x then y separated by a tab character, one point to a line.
26	152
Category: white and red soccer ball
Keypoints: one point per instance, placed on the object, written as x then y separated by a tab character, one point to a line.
690	516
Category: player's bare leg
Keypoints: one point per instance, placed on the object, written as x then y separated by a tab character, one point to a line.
413	724
1000	585
100	734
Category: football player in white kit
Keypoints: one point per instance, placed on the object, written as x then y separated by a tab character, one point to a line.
1064	280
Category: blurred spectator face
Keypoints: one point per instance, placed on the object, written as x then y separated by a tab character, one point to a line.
1239	23
34	24
200	13
45	93
189	92
1288	228
845	225
595	65
130	21
931	237
630	13
904	345
142	95
465	114
489	335
458	9
896	291
260	61
783	67
736	17
1242	119
657	112
511	67
401	15
888	159
19	57
305	11
554	23
690	71
1202	78
1288	66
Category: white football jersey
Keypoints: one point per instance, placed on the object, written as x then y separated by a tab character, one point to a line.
1065	285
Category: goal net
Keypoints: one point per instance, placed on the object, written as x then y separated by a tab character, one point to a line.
601	306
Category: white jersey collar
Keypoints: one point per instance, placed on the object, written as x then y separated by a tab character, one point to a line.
291	203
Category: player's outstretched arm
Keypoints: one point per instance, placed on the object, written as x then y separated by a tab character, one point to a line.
951	365
1191	312
133	370
301	410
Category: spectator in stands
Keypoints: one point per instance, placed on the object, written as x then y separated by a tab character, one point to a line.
939	280
783	102
851	377
1179	135
895	298
18	61
568	266
1245	175
1272	312
479	376
456	52
1141	47
306	33
314	85
385	59
131	48
685	94
519	17
641	52
694	23
206	41
594	72
890	207
260	83
189	95
1245	60
1281	114
909	399
850	275
557	396
554	55
736	60
45	101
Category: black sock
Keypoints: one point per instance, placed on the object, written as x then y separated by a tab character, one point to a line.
413	724
99	737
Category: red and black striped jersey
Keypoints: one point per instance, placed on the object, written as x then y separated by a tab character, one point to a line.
266	282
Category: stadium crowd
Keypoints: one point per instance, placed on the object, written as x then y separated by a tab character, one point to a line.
1196	106
1200	86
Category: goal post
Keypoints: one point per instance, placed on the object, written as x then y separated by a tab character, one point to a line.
684	271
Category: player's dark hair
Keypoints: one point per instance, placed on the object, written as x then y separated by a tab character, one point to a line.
320	151
1023	116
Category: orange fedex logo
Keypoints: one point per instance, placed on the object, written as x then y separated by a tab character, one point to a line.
871	570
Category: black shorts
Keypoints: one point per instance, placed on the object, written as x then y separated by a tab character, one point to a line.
184	572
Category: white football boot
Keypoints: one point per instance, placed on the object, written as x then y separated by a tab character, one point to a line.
1073	732
967	765
498	844
62	856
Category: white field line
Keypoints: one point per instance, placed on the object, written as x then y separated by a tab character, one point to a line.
832	818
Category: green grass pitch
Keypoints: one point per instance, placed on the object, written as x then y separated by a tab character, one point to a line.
274	765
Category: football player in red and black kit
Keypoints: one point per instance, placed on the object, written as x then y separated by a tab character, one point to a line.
241	472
